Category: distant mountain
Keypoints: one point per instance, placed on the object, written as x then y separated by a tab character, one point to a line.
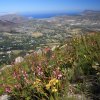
13	18
20	24
90	12
9	22
91	15
6	26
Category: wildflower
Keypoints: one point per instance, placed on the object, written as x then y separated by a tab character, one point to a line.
37	82
8	89
14	74
57	73
59	76
25	74
34	83
39	70
48	86
54	89
53	81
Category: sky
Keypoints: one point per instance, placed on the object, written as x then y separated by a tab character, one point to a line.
47	6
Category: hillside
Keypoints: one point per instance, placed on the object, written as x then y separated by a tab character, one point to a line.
71	71
7	26
15	18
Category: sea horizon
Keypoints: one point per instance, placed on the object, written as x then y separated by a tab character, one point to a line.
48	15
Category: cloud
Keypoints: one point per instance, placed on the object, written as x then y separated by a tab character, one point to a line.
5	13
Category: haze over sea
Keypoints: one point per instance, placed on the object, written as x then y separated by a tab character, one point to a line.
48	15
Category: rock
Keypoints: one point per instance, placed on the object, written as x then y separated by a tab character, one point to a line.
19	59
39	52
4	97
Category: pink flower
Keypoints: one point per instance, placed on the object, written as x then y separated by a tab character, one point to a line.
8	89
39	70
14	74
25	74
53	56
57	73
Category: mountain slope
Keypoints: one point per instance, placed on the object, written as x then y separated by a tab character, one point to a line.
6	26
13	18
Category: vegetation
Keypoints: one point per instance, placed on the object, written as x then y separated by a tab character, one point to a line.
70	72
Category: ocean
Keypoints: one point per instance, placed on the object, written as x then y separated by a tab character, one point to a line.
48	15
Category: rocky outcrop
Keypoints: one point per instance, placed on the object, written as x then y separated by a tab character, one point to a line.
4	97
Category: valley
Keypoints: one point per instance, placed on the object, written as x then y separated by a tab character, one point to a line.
20	35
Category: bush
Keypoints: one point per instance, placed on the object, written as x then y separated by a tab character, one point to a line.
48	76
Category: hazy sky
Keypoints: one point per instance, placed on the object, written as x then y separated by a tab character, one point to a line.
47	6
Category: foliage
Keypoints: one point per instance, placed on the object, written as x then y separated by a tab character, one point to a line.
51	75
